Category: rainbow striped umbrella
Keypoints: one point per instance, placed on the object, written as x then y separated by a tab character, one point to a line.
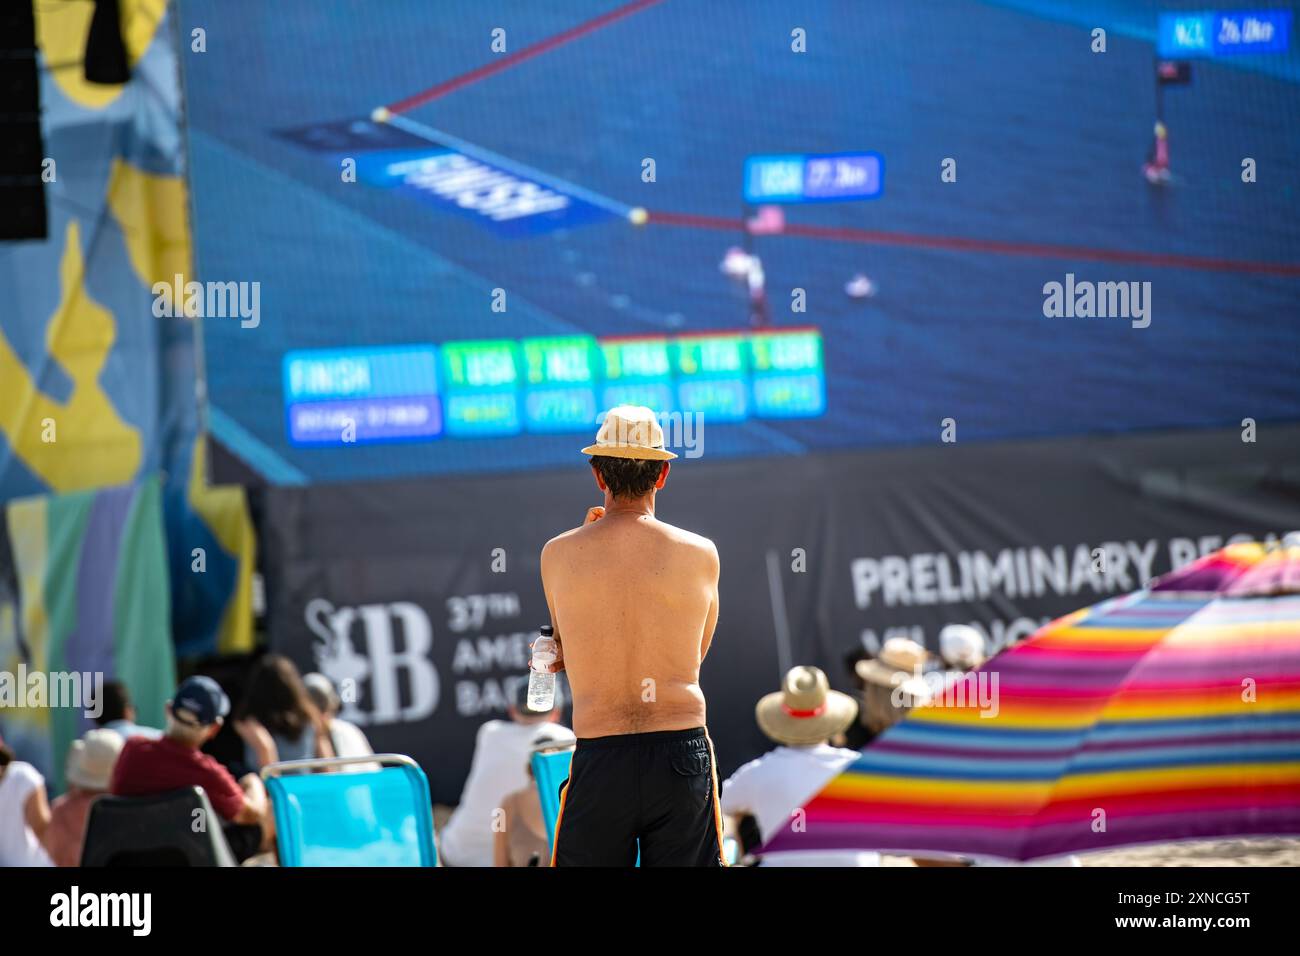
1169	714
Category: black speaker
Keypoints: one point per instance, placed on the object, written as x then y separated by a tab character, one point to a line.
105	50
22	191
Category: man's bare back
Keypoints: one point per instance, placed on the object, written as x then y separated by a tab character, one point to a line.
634	602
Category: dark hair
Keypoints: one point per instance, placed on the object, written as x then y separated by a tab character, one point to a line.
277	697
6	755
115	701
627	477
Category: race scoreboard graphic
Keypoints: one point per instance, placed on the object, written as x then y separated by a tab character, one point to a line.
379	394
805	178
498	387
787	375
435	168
559	382
482	381
637	372
1223	33
712	372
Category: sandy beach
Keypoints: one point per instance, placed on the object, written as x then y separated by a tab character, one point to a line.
1255	851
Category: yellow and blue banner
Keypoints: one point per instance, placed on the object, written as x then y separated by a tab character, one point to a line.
96	391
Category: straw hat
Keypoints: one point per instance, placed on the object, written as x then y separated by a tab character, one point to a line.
630	431
805	710
899	660
91	759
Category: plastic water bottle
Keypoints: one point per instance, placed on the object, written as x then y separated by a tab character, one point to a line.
541	683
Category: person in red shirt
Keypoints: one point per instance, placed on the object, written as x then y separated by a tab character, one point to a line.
175	761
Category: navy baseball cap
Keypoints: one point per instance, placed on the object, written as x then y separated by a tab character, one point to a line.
202	698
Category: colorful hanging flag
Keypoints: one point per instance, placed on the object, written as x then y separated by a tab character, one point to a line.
93	606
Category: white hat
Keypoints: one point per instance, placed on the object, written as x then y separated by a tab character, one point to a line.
961	645
321	691
630	431
91	759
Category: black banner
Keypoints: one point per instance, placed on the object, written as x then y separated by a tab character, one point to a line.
426	594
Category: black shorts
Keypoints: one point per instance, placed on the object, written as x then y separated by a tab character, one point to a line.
657	792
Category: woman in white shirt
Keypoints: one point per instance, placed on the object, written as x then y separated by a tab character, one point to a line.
802	718
24	812
348	739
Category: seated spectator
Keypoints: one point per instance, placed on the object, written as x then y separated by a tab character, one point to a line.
277	719
501	753
347	738
89	770
893	683
175	761
118	713
856	736
24	812
521	839
801	719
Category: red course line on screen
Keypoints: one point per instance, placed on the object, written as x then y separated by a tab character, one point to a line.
1035	250
528	52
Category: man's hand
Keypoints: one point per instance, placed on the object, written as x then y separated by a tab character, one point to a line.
594	514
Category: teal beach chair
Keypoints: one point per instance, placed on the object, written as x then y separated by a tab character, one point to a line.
378	817
550	769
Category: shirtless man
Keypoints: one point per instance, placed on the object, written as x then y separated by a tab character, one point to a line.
634	602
